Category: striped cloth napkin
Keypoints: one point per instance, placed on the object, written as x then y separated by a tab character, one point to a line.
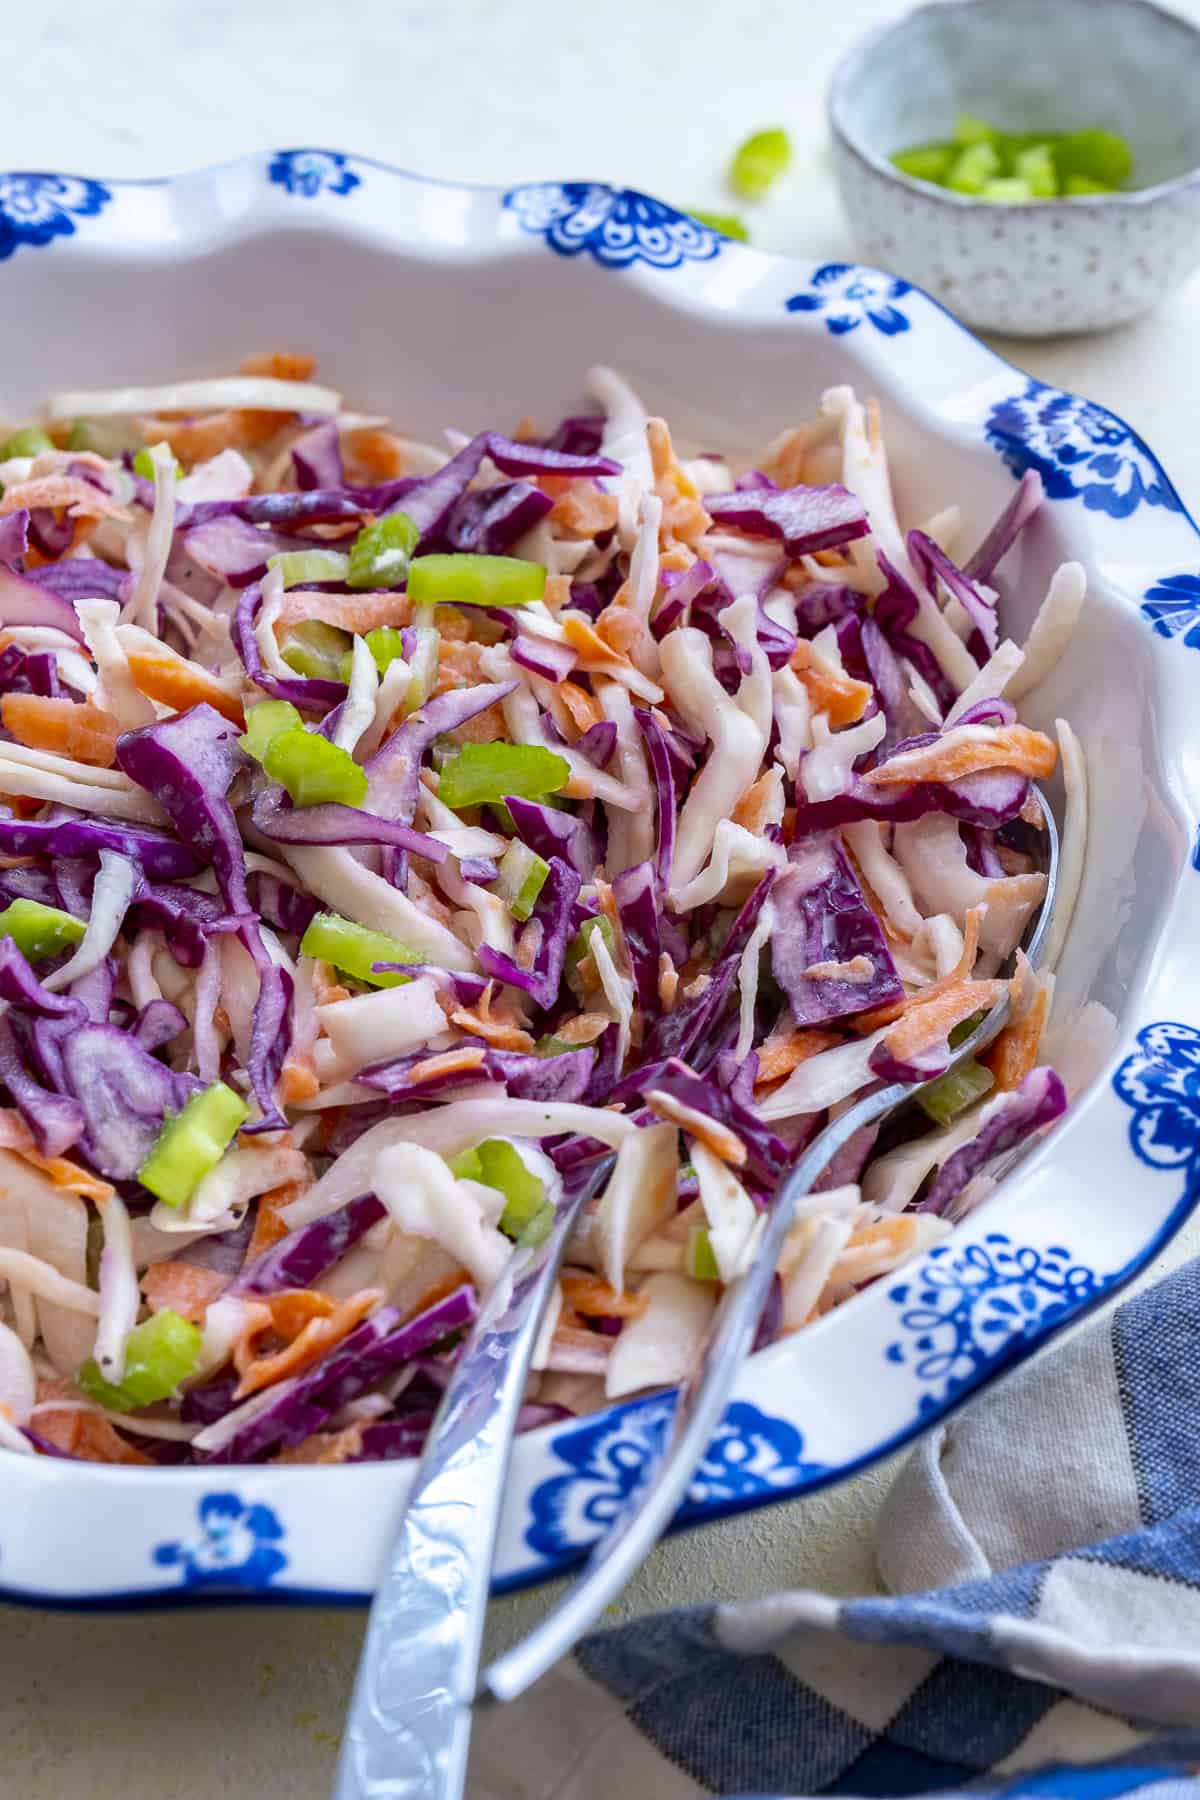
1042	1554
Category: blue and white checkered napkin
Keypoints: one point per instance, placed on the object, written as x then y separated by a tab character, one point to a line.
1043	1638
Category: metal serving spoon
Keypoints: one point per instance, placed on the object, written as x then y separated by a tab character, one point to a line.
411	1713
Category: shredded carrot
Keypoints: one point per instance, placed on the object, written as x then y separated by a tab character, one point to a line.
684	517
668	981
932	1017
316	1332
80	498
716	1137
196	440
582	635
493	1019
583	708
449	1062
14	1132
558	592
348	612
179	683
78	1430
844	699
753	808
438	1290
620	630
182	1287
584	510
874	1249
592	1298
1013	747
69	1176
281	365
72	728
326	987
1015	1051
584	1028
269	1226
297	1081
779	1055
785	464
866	1022
324	1447
375	453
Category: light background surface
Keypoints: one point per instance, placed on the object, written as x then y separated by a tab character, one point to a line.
647	92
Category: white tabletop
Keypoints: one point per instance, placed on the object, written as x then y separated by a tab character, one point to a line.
650	92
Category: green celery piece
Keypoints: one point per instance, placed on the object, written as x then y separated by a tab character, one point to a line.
760	161
538	1228
356	950
143	464
466	1166
522	878
380	554
1075	185
159	1353
553	1046
972	168
385	644
1006	190
700	1262
728	224
315	650
1037	166
296	566
953	1092
192	1143
503	1168
1101	155
29	441
38	930
970	130
81	437
926	162
313	770
265	722
962	1031
467	580
579	947
489	772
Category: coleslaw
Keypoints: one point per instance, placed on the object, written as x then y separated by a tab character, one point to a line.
389	830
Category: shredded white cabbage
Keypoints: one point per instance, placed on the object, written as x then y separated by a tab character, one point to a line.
730	1213
822	1080
738	747
992	680
748	975
1052	630
141	608
358	708
1074	843
662	1343
933	856
259	393
424	1198
828	767
112	892
626	442
883	874
640	1195
119	1295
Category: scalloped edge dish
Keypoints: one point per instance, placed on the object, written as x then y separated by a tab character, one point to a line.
1094	1201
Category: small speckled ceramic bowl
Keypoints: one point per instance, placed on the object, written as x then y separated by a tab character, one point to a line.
1027	65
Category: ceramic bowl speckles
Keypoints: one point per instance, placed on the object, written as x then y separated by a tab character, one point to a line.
1052	266
452	306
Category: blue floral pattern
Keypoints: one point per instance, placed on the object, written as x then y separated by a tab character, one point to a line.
848	296
967	1310
1172	606
34	209
751	1455
614	226
313	172
236	1546
1160	1080
1080	450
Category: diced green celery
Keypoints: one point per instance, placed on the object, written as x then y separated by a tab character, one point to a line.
355	950
143	464
1075	185
296	566
926	162
973	167
969	130
313	770
466	1166
953	1092
1101	155
385	644
265	722
1006	190
538	1229
81	436
488	772
159	1353
192	1143
962	1031
580	946
1037	166
699	1261
380	554
504	1168
315	650
728	224
466	580
39	930
522	877
553	1046
760	161
29	441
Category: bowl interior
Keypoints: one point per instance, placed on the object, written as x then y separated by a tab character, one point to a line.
1027	65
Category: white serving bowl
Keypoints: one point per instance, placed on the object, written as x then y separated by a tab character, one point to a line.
449	306
1026	65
